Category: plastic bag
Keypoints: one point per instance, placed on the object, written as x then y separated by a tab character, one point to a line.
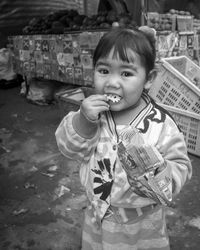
6	67
41	91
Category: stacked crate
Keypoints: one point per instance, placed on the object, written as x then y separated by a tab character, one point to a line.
177	89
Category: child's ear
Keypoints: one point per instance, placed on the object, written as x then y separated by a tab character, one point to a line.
150	78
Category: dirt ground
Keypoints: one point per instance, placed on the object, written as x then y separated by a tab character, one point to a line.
41	199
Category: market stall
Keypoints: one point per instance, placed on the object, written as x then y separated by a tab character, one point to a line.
67	56
43	201
60	45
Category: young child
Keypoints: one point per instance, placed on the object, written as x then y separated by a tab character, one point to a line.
133	158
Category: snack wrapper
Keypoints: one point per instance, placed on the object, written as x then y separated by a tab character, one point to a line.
146	169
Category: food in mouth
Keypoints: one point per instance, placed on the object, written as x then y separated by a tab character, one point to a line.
113	98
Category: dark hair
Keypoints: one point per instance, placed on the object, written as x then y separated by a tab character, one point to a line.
121	39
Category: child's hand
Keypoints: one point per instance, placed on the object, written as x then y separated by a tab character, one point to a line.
92	106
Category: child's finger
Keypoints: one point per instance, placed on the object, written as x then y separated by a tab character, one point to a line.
99	103
98	97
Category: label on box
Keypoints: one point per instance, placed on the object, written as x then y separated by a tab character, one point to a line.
26	67
24	55
54	71
54	56
32	66
190	52
84	38
38	57
86	59
60	58
31	44
68	59
46	56
38	44
18	43
77	60
65	59
88	74
27	55
47	69
183	42
67	43
78	73
196	42
75	45
25	44
76	51
61	73
162	43
94	39
52	44
21	64
67	46
45	45
190	41
39	69
69	72
59	45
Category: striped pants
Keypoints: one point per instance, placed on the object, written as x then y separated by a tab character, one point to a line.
146	231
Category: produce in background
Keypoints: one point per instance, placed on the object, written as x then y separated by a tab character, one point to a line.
166	21
70	20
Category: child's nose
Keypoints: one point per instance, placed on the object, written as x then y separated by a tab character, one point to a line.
113	81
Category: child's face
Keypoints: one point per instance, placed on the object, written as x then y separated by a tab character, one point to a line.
124	80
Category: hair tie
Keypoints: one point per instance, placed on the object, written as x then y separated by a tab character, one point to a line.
149	32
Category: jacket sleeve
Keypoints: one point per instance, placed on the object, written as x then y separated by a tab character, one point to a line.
71	144
173	148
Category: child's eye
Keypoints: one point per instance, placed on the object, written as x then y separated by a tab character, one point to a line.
127	73
103	71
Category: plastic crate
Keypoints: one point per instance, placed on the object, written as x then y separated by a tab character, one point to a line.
186	67
189	123
184	23
67	105
174	84
70	100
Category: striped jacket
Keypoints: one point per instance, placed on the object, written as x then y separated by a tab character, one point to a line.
101	172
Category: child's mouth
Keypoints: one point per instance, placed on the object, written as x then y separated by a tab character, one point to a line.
113	98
